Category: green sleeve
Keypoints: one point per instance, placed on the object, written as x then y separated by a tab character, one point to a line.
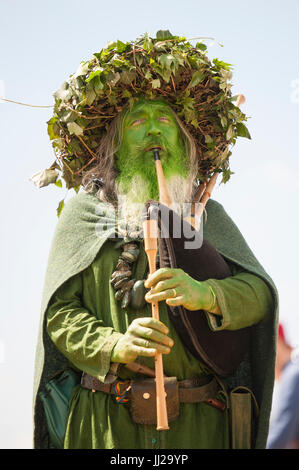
79	335
244	299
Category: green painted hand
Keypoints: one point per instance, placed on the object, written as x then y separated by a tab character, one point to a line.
178	288
144	337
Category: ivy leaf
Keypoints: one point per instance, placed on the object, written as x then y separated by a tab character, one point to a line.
82	70
67	116
161	46
97	84
58	183
90	97
223	121
192	61
226	174
201	46
120	62
156	83
53	128
226	74
163	35
74	146
113	78
166	60
58	144
139	59
147	44
95	73
165	74
110	45
44	177
188	109
242	131
82	122
229	133
121	47
197	77
74	128
60	207
180	59
127	77
99	55
222	65
63	94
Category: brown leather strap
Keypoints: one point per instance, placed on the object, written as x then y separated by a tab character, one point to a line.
87	381
198	394
190	391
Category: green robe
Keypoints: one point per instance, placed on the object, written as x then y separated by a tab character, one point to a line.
84	322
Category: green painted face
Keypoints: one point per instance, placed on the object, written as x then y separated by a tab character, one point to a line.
150	124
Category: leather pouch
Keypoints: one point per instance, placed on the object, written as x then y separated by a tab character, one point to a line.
143	400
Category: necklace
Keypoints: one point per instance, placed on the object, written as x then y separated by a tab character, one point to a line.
128	291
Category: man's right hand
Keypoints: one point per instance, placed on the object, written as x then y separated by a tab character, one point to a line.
144	337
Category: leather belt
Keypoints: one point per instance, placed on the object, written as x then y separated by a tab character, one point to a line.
199	389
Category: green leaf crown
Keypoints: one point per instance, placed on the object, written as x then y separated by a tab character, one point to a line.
167	67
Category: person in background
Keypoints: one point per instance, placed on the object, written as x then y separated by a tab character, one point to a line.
284	422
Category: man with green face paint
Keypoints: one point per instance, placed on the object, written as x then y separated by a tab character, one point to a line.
88	326
97	314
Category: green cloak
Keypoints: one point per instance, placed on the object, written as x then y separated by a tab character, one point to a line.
84	226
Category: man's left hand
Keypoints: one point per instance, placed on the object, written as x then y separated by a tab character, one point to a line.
178	288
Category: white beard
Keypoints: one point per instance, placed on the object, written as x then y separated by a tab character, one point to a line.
131	204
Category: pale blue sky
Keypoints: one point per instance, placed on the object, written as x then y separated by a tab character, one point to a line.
41	44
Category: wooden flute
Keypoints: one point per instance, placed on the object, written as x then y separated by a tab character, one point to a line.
150	232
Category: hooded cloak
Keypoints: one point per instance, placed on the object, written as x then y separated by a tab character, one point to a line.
84	226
